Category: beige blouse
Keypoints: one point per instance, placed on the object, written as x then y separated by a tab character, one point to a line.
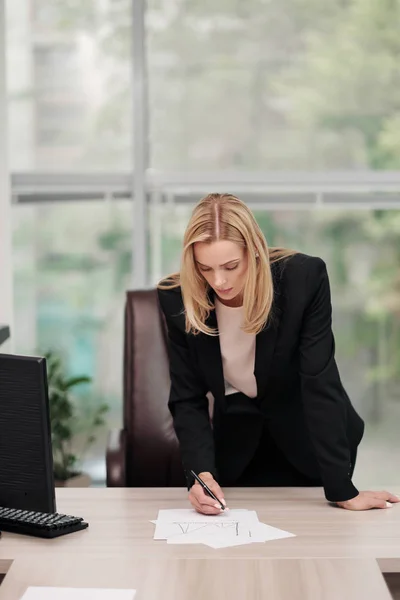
238	351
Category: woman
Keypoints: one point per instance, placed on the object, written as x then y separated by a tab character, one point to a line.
252	326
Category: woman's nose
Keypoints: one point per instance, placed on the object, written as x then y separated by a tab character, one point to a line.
220	280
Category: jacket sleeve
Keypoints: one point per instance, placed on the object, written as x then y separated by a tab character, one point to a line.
188	405
322	391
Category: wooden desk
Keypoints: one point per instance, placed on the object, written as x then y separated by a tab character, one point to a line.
336	554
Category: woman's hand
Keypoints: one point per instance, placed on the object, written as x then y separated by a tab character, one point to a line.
201	501
367	500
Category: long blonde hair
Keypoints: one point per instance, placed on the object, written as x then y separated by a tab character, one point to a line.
225	217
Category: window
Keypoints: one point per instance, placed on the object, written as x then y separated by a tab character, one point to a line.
68	59
72	265
273	85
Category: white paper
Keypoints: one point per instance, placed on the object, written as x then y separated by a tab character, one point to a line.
273	533
233	528
213	542
187	523
220	543
256	534
263	533
63	593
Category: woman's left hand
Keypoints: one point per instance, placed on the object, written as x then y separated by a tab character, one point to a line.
368	500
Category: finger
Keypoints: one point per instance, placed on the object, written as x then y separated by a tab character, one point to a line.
376	503
203	498
194	502
210	510
364	503
205	506
213	486
216	490
384	495
205	510
202	501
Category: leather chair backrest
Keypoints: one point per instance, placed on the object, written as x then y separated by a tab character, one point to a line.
153	457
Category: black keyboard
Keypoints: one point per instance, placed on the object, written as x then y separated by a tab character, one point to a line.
38	524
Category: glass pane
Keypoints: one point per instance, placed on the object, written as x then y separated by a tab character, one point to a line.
72	266
70	100
283	84
362	252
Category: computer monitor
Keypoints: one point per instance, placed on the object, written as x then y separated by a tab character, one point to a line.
26	458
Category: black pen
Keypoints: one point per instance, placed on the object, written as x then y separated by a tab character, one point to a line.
207	489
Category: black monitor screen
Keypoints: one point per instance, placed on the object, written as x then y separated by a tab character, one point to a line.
26	460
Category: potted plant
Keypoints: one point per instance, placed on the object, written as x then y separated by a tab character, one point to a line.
69	421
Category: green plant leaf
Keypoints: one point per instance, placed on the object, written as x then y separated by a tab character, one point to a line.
73	381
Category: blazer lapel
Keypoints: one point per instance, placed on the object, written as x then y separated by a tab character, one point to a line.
266	339
265	347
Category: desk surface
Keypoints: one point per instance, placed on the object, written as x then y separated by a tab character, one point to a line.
333	549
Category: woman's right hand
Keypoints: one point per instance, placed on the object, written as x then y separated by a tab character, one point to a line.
201	501
367	500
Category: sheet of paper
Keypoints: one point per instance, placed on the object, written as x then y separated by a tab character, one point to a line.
245	529
213	542
184	523
217	544
63	593
232	528
268	533
263	533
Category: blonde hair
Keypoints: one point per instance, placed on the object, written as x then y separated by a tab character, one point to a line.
224	217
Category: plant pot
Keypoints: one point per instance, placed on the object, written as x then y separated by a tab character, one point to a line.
79	480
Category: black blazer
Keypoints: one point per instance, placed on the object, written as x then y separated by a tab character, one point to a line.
308	411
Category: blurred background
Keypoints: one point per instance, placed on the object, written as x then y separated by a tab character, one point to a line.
122	115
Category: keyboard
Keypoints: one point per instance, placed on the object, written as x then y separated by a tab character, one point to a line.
39	524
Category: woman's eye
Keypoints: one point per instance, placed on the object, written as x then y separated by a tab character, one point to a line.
203	270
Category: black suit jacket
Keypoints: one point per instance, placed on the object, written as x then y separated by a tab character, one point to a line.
300	394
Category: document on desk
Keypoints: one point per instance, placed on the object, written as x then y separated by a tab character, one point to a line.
232	528
184	522
63	593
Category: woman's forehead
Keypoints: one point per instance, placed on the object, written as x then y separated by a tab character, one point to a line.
217	253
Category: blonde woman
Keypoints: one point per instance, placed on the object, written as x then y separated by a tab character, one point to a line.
252	326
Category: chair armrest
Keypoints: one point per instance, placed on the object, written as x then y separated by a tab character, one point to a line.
116	458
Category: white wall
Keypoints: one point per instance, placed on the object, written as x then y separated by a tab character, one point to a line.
6	294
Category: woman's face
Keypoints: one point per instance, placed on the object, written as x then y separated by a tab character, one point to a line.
223	265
